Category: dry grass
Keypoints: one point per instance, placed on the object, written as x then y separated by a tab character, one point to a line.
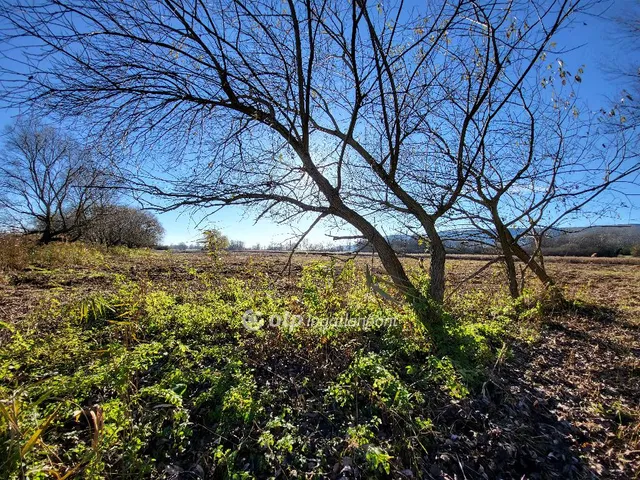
608	282
15	251
583	372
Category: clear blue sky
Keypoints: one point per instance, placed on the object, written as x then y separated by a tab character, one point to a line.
592	44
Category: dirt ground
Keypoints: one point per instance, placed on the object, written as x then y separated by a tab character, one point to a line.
577	388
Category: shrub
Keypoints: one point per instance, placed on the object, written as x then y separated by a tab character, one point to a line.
215	242
15	251
60	255
115	225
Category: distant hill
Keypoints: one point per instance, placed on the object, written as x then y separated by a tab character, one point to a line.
604	241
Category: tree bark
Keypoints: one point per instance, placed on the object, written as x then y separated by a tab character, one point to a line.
46	236
506	239
387	255
512	273
436	265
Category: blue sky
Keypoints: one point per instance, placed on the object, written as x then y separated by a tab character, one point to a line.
591	42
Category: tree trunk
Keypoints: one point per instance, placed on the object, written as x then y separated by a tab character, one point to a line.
539	271
505	240
47	236
427	313
388	256
535	267
510	264
538	239
512	274
509	248
436	267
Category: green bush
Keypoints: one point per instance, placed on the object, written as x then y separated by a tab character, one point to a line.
126	381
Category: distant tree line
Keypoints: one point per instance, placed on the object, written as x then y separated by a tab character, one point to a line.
113	225
600	241
222	242
53	186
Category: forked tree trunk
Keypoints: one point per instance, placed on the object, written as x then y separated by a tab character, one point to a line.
538	270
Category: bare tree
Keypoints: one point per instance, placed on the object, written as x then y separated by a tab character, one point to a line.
49	182
558	169
236	246
372	114
625	70
114	225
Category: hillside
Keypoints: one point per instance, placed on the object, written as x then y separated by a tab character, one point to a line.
604	241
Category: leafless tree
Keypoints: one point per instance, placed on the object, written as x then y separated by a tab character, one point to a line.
48	181
559	168
625	70
114	225
236	246
373	114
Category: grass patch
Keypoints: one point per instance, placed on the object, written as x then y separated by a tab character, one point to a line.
142	380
